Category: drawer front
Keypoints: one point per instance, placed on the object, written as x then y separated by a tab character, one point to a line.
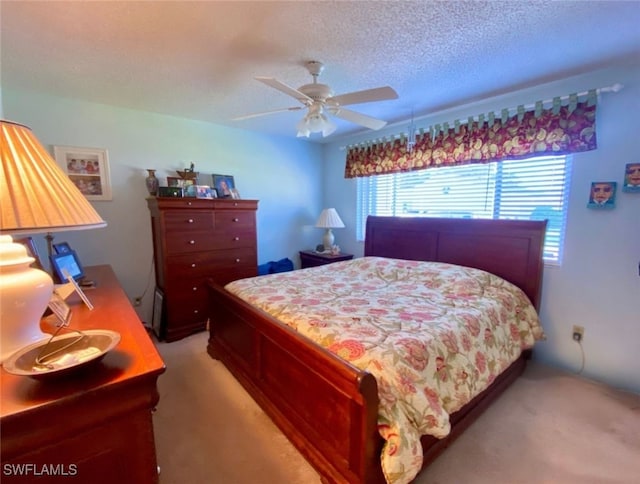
235	273
188	221
230	219
189	266
228	260
312	262
232	237
209	264
186	304
185	314
186	242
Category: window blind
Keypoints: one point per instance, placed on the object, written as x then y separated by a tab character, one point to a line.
530	189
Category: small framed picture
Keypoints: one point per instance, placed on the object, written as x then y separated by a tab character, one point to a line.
204	191
32	251
224	184
631	178
65	265
87	168
62	248
175	181
235	193
602	195
190	189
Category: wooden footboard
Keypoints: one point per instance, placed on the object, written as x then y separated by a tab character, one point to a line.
325	406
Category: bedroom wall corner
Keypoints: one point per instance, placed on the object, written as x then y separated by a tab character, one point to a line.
281	173
598	285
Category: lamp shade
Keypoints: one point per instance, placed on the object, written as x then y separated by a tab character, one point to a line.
329	219
35	196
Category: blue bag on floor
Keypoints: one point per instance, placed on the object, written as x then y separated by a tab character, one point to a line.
283	265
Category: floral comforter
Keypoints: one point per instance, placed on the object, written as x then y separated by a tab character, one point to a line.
434	335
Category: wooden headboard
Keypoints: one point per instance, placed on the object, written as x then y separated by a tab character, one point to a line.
511	249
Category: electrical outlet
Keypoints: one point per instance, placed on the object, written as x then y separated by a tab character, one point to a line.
578	333
137	301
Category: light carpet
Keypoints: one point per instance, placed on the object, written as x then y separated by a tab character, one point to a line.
548	427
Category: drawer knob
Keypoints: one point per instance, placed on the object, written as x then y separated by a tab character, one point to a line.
195	311
235	204
193	265
237	260
236	219
236	238
192	242
189	203
190	220
195	288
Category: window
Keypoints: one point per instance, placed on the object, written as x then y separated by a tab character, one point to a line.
530	189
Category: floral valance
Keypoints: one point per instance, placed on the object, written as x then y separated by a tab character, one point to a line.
560	129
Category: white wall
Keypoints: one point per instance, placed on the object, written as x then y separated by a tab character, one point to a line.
282	174
598	285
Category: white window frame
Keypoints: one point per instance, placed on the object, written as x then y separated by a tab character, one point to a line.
536	188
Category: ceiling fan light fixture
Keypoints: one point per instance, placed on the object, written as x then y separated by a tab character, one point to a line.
315	122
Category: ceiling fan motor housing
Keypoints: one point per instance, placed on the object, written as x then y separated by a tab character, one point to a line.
316	91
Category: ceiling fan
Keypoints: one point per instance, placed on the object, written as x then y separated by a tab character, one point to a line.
319	100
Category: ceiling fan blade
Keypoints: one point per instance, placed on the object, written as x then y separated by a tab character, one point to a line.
357	118
282	87
255	115
368	95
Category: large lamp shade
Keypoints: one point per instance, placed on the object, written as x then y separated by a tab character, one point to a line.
36	196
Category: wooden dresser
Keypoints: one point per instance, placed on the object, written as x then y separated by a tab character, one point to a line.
93	425
194	239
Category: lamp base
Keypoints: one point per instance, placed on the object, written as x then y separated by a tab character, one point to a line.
328	239
24	295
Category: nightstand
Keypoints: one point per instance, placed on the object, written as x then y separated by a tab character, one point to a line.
311	258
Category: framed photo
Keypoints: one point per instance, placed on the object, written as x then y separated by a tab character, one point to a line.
631	178
204	191
32	251
87	168
175	181
156	322
602	195
189	188
65	265
224	185
235	193
62	248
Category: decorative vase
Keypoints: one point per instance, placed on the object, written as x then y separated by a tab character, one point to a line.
152	182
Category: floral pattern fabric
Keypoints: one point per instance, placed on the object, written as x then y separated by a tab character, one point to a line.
569	130
434	335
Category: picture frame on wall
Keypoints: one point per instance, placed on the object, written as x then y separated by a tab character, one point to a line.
602	195
224	185
87	168
631	178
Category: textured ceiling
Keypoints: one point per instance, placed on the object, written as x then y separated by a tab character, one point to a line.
198	59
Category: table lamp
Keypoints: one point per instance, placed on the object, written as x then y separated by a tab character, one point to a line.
36	196
329	219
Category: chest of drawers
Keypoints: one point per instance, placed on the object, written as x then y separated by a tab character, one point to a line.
194	239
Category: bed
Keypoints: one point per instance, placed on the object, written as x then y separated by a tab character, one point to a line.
328	407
